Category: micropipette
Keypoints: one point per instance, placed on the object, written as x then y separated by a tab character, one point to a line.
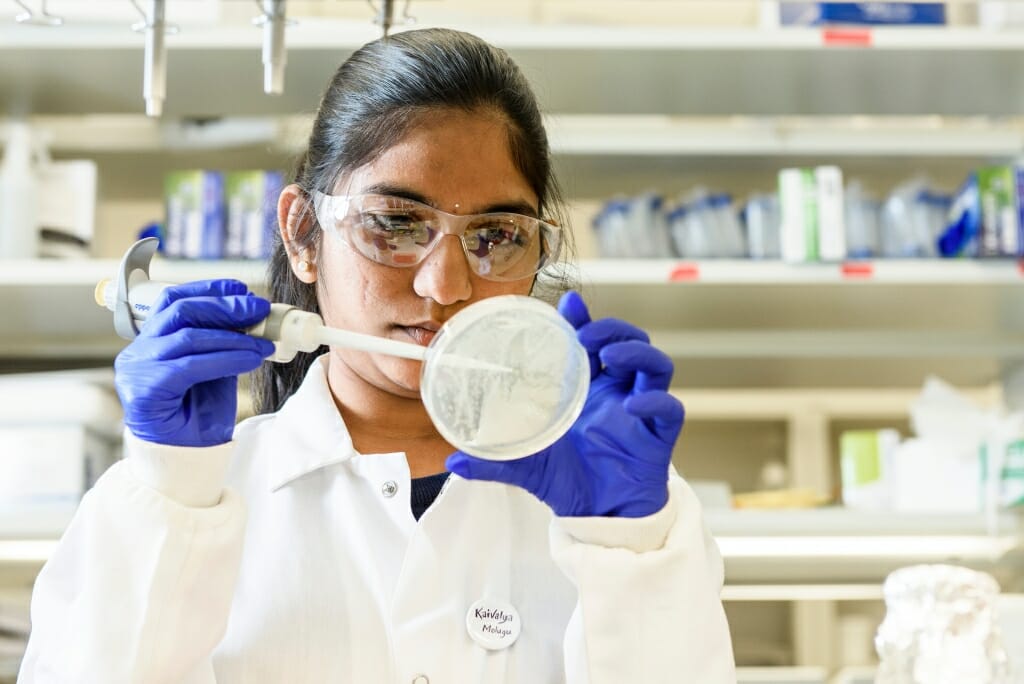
503	378
291	329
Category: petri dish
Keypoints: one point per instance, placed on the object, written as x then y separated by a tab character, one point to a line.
505	378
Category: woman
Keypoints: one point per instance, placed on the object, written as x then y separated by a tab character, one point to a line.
285	549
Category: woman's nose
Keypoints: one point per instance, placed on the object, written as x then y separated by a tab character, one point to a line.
444	275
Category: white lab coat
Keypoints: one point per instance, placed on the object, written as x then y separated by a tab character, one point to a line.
281	558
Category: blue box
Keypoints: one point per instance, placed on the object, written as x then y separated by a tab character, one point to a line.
862	13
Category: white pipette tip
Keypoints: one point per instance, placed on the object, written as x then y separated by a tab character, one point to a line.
406	350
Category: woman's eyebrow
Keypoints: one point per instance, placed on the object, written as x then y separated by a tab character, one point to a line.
512	206
396	191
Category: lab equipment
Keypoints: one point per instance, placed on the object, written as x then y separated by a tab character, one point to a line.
812	214
695	227
732	244
400	232
610	225
273	21
863	13
52	451
43	18
385	15
629	424
798	202
831	219
501	379
941	627
865	462
74	217
960	238
178	379
195	214
251	199
913	218
154	79
19	195
861	220
634	228
761	218
1001	225
649	230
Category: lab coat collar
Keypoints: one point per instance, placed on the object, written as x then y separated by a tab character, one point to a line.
309	431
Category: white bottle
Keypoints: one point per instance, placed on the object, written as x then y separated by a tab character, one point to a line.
19	225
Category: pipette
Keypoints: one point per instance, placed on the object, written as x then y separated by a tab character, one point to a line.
503	378
133	295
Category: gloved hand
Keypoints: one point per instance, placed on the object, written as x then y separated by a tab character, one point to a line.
614	460
178	379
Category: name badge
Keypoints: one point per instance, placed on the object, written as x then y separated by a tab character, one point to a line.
493	624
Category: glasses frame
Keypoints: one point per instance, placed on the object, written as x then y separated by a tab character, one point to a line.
449	224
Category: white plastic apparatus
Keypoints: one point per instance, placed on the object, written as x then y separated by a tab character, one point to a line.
502	379
19	191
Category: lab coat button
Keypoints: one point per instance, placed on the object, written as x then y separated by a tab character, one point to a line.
389	489
421	679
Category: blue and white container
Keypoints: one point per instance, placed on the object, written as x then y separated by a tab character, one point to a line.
761	219
252	213
194	226
862	13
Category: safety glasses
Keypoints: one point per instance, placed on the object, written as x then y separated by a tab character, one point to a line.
400	232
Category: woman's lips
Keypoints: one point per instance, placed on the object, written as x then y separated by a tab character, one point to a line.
420	336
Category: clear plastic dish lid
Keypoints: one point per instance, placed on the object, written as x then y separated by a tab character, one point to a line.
505	378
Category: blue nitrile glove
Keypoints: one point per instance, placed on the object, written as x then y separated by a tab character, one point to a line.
178	379
614	460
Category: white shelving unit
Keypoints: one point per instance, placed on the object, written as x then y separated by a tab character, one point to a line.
584	135
712	68
692	310
798	346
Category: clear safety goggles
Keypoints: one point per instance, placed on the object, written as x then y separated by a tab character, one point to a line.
400	232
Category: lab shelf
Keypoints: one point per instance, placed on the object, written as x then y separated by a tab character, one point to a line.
859	674
966	318
26	551
597	272
843	548
770	273
581	135
966	312
576	69
858	136
759	404
802	592
781	675
843	522
312	33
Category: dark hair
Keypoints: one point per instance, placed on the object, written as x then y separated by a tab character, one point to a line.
374	98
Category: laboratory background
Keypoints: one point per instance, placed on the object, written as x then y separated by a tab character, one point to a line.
816	208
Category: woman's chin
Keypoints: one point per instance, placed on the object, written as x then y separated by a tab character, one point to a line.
405	374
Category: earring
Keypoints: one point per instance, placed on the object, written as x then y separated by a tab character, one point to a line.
304	266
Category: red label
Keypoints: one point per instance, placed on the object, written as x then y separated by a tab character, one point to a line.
847	37
858	269
1020	267
684	272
